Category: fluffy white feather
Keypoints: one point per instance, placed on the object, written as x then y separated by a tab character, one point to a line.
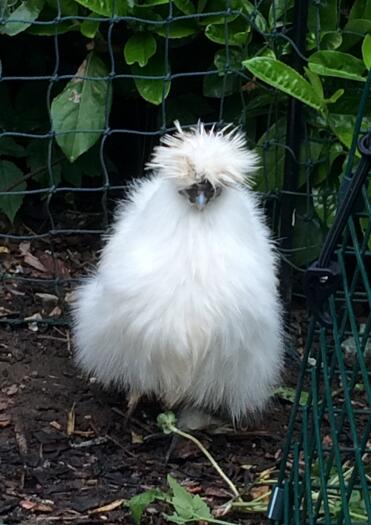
184	303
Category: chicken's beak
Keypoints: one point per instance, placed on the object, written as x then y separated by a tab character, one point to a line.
201	200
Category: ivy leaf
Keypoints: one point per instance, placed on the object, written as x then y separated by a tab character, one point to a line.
288	394
22	17
235	33
286	79
78	113
106	7
366	51
140	48
336	64
89	27
185	6
152	89
10	175
140	502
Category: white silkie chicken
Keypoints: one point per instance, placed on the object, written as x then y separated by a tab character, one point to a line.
184	304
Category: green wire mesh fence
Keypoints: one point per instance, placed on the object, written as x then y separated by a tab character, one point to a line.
88	87
325	474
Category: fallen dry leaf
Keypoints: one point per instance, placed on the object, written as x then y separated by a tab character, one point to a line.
34	262
4	249
136	439
24	247
47	297
56	312
71	421
56	425
4	420
107	508
262	492
11	390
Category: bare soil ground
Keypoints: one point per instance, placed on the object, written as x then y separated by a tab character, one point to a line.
65	449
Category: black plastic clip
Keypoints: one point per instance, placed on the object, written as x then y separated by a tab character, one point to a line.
275	508
323	276
319	284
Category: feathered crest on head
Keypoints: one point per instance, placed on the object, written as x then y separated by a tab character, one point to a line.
189	156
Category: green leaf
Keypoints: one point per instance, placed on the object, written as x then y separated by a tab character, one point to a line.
366	51
315	82
89	28
22	17
335	96
288	394
106	7
185	6
285	78
255	16
10	175
140	48
337	64
343	127
8	146
323	15
54	29
165	421
140	502
67	7
277	9
354	31
331	40
78	113
236	33
177	29
232	59
152	90
186	506
360	9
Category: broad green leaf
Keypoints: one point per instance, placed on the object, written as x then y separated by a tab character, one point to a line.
277	9
236	33
256	18
106	7
187	506
185	6
288	394
154	2
336	64
331	40
315	82
67	7
360	9
152	89
22	17
140	48
10	175
78	113
284	78
140	502
8	146
343	127
323	16
90	27
177	29
366	51
354	31
219	8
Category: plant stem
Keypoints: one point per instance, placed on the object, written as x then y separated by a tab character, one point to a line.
185	435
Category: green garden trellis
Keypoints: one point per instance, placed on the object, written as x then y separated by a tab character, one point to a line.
325	471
